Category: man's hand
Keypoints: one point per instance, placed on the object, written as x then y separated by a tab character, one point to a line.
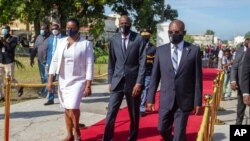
234	85
32	62
136	90
87	91
49	86
196	110
246	99
150	107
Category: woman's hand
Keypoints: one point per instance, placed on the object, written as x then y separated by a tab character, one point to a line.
87	91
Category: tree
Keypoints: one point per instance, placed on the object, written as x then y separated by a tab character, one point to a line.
90	12
247	35
188	38
209	32
146	13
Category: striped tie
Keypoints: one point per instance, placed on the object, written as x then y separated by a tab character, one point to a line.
175	59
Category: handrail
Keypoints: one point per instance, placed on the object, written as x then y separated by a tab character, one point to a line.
7	109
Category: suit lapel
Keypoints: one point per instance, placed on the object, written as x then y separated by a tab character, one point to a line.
119	42
185	52
130	42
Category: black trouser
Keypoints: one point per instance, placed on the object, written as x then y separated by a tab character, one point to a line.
166	120
113	108
241	107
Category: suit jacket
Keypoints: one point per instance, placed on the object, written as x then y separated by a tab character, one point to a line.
236	70
50	48
130	66
245	77
184	87
83	58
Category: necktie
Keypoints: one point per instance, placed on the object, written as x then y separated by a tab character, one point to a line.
124	45
175	59
54	45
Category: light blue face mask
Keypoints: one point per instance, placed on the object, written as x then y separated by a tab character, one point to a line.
42	32
4	31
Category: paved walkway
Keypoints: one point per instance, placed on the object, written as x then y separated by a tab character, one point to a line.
32	121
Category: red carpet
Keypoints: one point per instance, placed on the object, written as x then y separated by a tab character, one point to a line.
148	124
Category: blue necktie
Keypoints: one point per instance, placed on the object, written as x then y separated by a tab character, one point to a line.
54	45
175	59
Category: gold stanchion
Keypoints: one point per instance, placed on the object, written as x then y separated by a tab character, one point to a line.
203	134
7	109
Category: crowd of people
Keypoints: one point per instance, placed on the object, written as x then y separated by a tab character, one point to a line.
135	69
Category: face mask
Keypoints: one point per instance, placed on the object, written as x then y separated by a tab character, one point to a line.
42	32
4	31
125	29
71	32
176	38
146	39
55	32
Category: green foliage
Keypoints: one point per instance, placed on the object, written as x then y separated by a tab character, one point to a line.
89	12
146	13
247	35
209	32
101	56
188	38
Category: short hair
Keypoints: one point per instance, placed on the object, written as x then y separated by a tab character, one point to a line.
46	26
181	23
126	16
7	27
74	20
57	25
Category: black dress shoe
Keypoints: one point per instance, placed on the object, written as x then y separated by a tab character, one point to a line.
143	114
20	92
50	102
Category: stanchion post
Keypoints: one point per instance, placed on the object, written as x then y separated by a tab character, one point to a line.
7	109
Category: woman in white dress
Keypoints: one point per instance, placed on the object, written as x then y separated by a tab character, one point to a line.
73	61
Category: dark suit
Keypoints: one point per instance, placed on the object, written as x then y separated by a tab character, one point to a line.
236	74
179	92
245	77
124	71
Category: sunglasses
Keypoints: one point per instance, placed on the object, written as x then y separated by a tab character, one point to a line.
176	32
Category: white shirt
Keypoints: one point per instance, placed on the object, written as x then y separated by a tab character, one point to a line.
126	41
220	55
179	50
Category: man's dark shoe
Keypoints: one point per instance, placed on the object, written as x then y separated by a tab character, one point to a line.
143	114
2	99
20	92
50	102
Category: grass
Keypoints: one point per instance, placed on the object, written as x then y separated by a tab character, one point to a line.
31	75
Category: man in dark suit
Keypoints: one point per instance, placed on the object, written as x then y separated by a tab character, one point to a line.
236	72
126	68
245	77
178	66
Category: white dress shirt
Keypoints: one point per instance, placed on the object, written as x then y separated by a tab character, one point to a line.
127	39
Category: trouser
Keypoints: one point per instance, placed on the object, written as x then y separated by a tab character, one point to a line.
6	70
166	120
241	107
226	89
44	77
113	108
144	94
51	94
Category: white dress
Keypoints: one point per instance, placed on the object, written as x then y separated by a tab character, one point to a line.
71	87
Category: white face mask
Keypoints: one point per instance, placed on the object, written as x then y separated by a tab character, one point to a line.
55	32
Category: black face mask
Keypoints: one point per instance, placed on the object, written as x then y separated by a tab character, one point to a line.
176	38
125	29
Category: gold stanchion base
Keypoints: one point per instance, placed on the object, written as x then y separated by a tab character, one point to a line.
219	122
221	109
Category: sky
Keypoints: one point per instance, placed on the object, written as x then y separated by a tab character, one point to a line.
227	18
